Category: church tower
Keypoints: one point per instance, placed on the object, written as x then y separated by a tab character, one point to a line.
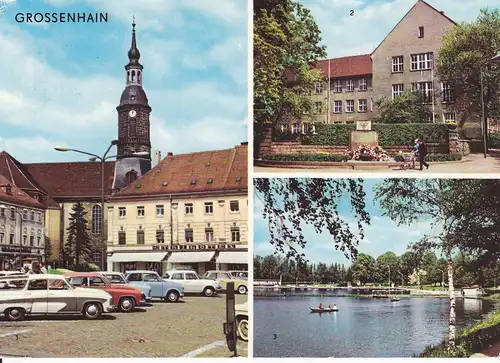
134	145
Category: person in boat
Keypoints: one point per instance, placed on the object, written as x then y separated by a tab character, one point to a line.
334	306
320	306
330	307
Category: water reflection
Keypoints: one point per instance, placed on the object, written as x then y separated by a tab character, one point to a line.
361	327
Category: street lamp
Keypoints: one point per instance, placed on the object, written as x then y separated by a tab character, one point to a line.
3	206
102	159
402	279
442	279
484	120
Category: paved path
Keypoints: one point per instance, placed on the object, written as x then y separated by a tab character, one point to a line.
472	164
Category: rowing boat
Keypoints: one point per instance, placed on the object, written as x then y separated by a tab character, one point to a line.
324	310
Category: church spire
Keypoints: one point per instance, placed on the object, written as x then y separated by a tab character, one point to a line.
134	68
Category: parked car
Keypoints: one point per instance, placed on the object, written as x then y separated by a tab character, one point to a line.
50	294
192	283
241	312
160	288
126	298
223	277
239	274
117	278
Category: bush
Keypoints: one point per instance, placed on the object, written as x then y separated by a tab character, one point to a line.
389	134
307	157
494	140
443	157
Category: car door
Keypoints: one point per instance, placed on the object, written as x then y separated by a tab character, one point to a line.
195	284
61	297
155	282
224	278
179	278
37	293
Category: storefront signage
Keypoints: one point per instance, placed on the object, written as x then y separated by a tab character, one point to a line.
18	249
193	247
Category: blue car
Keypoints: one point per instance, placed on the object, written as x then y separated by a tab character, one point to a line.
160	288
119	279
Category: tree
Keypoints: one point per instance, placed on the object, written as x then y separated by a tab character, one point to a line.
409	263
286	44
257	267
290	203
409	107
363	268
78	245
270	268
388	262
47	249
465	54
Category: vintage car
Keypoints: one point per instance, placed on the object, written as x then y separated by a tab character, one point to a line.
126	298
223	277
117	278
192	283
50	294
241	312
160	288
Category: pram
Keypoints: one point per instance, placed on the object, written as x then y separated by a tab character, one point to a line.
408	160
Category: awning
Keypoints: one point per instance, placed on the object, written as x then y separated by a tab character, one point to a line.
186	257
235	257
138	257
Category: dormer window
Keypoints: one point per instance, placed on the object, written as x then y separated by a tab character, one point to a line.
420	31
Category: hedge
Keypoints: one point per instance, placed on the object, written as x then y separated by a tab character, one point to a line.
389	134
494	140
435	157
306	157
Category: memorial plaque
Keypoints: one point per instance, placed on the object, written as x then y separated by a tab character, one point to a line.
363	125
359	138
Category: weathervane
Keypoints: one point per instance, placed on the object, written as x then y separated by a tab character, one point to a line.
133	20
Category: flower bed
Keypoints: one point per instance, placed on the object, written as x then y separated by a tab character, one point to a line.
367	153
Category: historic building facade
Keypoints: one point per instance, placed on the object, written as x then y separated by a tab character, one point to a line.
22	235
190	210
404	60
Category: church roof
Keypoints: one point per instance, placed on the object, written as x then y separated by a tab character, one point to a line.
207	171
72	179
16	195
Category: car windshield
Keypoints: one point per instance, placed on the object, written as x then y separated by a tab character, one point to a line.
116	279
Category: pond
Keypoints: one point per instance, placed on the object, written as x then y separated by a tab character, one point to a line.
284	326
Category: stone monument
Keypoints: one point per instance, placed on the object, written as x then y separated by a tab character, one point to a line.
363	135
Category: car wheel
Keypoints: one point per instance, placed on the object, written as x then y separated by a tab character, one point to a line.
242	330
92	310
127	304
208	291
15	314
172	296
242	289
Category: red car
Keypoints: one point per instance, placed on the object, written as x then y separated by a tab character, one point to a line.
124	297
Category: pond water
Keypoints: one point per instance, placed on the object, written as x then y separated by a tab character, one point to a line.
284	326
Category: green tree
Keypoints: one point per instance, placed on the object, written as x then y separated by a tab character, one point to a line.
286	43
465	54
406	108
270	268
409	263
78	249
257	267
291	203
388	262
363	268
429	265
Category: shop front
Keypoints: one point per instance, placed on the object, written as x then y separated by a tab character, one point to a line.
13	257
126	261
232	260
200	261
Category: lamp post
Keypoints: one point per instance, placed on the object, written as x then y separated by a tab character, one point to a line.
3	206
402	279
102	159
484	120
442	279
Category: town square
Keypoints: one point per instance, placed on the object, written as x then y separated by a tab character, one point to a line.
123	220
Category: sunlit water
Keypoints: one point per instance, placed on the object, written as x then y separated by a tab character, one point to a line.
284	327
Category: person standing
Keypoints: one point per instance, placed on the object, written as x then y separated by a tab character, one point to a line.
422	153
42	268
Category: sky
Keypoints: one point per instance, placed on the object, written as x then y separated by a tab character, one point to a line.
60	83
372	20
381	235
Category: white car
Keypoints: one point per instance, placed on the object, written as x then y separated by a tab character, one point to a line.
241	312
192	283
44	294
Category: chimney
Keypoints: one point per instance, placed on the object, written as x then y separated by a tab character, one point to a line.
8	189
442	12
244	143
156	158
170	154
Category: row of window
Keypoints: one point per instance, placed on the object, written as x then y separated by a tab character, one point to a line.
234	207
418	62
349	106
339	86
12	240
26	214
427	91
188	236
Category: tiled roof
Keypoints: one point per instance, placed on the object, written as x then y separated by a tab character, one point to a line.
16	196
357	65
72	179
219	170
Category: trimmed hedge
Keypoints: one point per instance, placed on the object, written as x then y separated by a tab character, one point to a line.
434	157
306	157
494	140
389	134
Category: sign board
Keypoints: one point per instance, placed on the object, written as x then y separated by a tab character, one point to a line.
194	247
230	324
363	125
359	138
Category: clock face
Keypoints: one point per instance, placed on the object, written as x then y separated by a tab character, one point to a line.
132	113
